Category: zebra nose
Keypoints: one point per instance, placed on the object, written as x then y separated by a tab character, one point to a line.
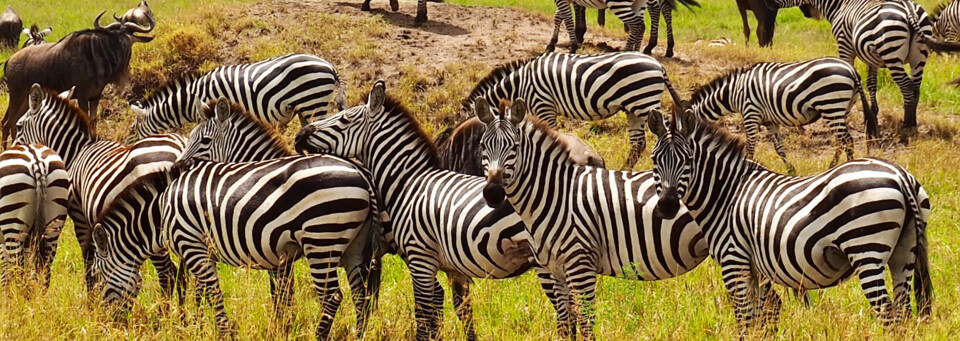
669	203
300	142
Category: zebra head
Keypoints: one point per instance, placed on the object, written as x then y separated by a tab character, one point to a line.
346	133
672	156
498	146
118	279
208	140
46	112
35	36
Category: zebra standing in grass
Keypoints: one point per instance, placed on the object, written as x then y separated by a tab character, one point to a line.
99	170
228	133
884	34
35	36
33	208
946	21
582	87
274	90
788	94
439	221
801	232
629	11
584	220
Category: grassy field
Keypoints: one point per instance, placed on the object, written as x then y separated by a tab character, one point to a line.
197	36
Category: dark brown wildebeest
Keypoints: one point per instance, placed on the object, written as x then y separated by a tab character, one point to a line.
10	27
140	15
87	59
766	20
35	36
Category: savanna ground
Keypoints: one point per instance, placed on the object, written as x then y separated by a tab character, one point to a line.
431	69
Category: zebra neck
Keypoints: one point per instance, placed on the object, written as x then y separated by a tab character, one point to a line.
69	149
543	173
829	8
179	105
717	100
717	173
398	153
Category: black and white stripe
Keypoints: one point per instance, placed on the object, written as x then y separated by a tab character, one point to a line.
585	221
274	90
35	36
439	219
99	170
946	21
266	215
629	11
883	34
801	232
33	208
785	94
584	87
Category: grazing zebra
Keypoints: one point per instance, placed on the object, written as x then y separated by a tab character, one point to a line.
439	220
582	87
890	34
629	11
228	133
35	36
274	90
266	215
33	208
459	148
99	170
788	94
946	21
801	232
584	220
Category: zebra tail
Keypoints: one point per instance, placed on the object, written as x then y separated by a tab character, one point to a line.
341	94
922	285
869	115
940	46
677	101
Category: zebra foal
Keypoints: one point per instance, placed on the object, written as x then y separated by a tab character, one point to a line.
585	221
805	233
274	90
788	94
33	208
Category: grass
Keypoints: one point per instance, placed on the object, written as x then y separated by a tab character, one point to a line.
194	37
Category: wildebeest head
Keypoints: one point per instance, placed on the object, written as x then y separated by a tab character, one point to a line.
10	27
35	36
140	15
129	28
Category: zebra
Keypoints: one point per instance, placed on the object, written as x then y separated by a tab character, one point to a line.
228	133
884	34
629	11
99	170
439	221
584	87
274	90
946	21
35	36
584	220
789	94
33	208
801	232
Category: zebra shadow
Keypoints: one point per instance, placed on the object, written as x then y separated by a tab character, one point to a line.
401	19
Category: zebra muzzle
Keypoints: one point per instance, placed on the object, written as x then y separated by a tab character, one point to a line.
493	192
669	204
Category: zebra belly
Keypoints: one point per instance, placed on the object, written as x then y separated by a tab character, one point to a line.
598	4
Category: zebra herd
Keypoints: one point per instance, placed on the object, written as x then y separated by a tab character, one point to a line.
505	194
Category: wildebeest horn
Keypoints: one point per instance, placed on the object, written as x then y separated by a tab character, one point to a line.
96	23
115	16
133	27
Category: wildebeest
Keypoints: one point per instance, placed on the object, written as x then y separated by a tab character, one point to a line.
10	27
87	59
140	15
766	19
35	36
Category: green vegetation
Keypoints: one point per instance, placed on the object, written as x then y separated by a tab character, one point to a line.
195	36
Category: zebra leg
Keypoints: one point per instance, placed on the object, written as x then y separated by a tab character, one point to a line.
771	304
580	21
323	269
421	13
637	122
902	263
86	243
208	284
394	5
461	303
654	8
740	284
838	123
167	275
426	288
559	295
751	124
364	281
365	6
601	17
582	280
632	21
281	288
778	146
668	19
903	80
869	268
872	89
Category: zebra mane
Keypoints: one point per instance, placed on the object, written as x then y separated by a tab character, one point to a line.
702	91
492	78
156	180
240	115
168	89
392	106
555	139
71	108
935	13
697	128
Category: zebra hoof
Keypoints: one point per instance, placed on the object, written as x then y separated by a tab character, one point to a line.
648	50
669	54
906	133
419	20
365	7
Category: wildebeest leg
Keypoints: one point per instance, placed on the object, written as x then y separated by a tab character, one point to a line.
654	8
421	13
365	6
580	21
602	17
742	7
17	106
461	303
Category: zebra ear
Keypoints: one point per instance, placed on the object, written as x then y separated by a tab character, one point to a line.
482	109
26	32
222	111
46	31
517	111
657	123
67	95
36	97
377	95
203	109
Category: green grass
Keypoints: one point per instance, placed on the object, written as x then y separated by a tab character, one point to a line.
196	36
